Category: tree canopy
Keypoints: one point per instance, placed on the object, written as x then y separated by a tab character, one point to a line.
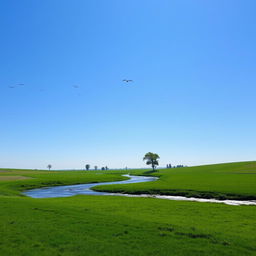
151	159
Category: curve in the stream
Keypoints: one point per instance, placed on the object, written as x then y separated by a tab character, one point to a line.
82	189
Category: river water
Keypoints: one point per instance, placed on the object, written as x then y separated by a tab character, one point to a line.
85	189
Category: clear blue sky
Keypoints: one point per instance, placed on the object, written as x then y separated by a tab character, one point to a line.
192	101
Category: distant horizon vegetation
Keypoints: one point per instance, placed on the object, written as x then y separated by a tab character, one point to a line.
124	168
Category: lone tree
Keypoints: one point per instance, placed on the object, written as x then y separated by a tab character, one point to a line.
151	159
95	167
87	167
49	166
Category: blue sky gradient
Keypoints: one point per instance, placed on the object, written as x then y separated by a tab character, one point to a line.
192	101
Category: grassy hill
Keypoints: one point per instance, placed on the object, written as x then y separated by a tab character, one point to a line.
221	181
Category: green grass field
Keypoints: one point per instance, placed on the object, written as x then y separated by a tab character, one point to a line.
109	225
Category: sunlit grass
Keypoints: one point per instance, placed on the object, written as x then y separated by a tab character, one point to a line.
110	226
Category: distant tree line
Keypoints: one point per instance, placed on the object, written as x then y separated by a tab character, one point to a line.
87	167
177	166
150	158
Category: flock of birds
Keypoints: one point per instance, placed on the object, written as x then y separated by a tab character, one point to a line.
13	86
74	86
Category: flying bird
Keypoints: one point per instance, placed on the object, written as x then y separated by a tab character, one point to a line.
11	87
127	80
75	86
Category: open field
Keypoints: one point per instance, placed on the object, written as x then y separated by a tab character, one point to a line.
221	181
8	178
109	225
85	225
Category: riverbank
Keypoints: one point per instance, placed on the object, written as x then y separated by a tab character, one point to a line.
231	181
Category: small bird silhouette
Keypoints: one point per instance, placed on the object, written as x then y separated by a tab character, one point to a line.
127	80
11	86
75	86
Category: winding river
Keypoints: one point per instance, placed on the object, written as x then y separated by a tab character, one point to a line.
86	189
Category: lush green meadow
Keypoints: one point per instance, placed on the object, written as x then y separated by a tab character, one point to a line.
113	225
221	181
